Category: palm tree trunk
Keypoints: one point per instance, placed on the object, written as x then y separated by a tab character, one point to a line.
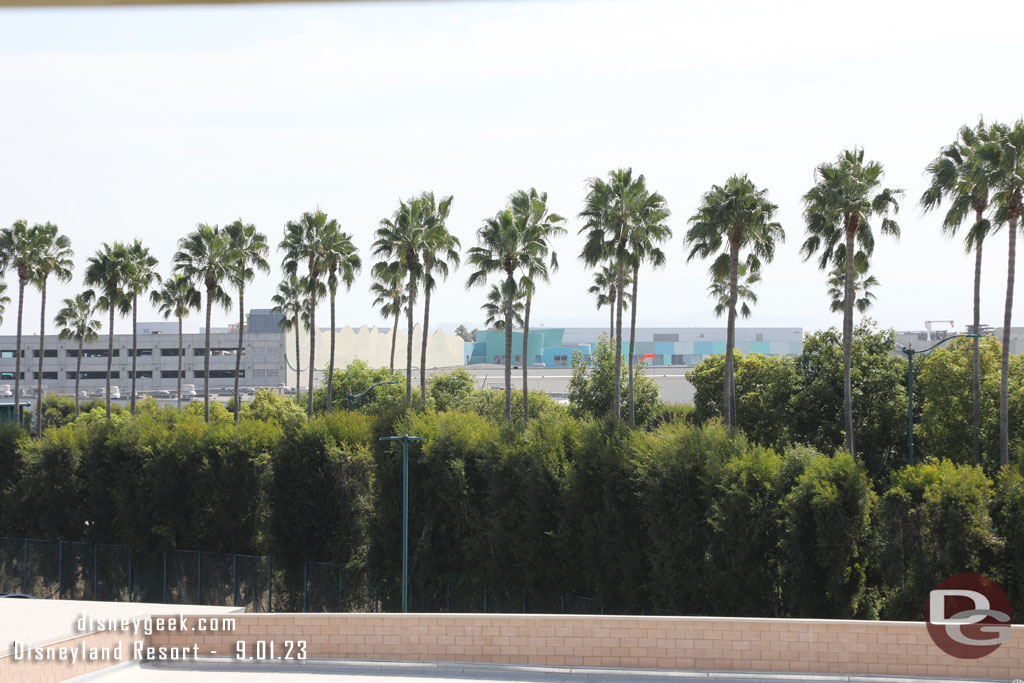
1004	413
394	337
848	346
42	344
617	379
206	356
611	315
408	346
135	345
181	351
632	343
423	345
729	406
298	370
110	351
976	361
17	353
330	361
241	345
78	374
526	351
312	351
509	301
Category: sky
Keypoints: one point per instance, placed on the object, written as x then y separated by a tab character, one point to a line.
129	123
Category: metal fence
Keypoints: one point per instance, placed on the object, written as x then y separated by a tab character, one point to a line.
71	570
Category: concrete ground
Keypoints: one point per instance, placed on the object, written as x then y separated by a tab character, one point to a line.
313	671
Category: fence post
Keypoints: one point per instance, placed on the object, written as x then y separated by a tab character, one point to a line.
95	573
234	580
199	578
131	584
305	584
341	590
60	570
485	599
563	604
270	589
448	599
165	577
24	569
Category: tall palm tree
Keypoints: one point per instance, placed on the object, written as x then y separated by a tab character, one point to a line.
4	300
644	240
604	290
960	175
303	244
20	246
540	226
862	287
107	271
496	307
390	297
76	323
745	295
252	250
732	218
176	297
342	262
206	257
290	302
400	239
55	258
141	276
611	211
1004	155
440	253
838	212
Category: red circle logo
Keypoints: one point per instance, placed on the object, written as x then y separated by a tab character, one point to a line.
968	616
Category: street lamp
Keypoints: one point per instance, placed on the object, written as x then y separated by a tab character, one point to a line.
910	353
359	396
405	439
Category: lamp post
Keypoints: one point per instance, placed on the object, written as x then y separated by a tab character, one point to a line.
405	439
910	353
359	396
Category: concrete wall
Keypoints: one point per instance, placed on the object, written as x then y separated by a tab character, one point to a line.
703	643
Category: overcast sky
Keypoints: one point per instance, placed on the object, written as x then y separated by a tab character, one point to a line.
142	122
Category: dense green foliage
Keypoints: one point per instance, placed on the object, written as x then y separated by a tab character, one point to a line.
591	387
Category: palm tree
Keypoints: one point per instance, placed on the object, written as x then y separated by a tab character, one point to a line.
540	226
862	286
733	217
400	239
605	292
650	231
1003	153
439	253
496	307
54	258
389	298
960	175
838	212
20	246
4	300
341	259
503	248
141	276
611	211
107	270
206	257
76	323
303	244
252	250
177	297
721	291
290	300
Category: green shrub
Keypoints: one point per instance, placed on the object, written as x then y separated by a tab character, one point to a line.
449	389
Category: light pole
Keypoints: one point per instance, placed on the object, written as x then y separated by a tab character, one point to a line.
359	396
910	353
405	439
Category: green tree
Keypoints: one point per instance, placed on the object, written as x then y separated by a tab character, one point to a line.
1008	516
206	257
612	211
141	275
440	254
4	300
76	323
176	297
389	298
251	249
838	211
497	305
341	259
54	258
449	389
1003	154
737	216
357	377
719	289
539	226
591	385
290	301
604	290
862	286
107	271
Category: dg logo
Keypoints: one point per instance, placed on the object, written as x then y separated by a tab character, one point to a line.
968	616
